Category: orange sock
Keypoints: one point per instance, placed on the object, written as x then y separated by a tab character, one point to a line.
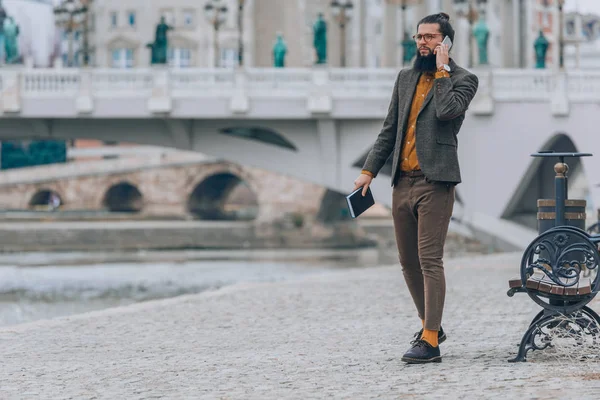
423	322
430	337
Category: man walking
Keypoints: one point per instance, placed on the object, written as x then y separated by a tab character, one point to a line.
426	112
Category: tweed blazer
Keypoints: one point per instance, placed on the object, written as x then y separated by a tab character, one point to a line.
438	123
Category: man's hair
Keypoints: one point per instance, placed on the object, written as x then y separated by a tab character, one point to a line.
443	20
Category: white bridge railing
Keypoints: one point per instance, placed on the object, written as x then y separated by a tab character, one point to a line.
322	85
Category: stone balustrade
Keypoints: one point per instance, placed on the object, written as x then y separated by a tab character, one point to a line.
319	88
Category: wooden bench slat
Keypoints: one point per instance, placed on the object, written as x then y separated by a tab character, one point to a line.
541	282
585	286
514	283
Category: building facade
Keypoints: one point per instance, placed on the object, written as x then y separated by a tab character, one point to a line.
121	31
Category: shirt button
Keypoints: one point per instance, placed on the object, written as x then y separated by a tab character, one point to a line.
408	142
423	95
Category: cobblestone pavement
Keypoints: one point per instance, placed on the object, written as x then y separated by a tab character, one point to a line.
332	335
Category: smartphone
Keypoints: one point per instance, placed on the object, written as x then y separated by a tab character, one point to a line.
447	41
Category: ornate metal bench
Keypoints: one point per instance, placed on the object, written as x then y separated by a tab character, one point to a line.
560	272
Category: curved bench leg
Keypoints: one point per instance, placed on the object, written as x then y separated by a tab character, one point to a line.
528	340
586	318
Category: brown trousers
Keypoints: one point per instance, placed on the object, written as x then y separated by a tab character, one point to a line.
421	211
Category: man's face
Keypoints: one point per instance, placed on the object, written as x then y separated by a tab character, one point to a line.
428	38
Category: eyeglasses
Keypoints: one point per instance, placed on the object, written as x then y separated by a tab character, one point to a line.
428	37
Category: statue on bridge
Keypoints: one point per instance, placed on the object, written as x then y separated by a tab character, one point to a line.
541	47
11	47
481	32
160	46
279	52
320	39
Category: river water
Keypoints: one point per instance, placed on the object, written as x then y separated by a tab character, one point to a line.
36	286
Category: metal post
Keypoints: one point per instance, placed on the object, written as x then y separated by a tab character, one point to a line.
70	42
561	39
241	32
560	181
404	30
343	41
86	50
216	43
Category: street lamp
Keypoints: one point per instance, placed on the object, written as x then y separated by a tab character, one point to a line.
342	12
240	32
561	37
216	14
468	9
70	15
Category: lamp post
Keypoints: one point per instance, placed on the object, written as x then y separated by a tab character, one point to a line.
241	4
561	25
216	14
342	12
561	37
70	15
468	9
407	42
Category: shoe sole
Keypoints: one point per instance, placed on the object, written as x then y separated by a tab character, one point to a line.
408	360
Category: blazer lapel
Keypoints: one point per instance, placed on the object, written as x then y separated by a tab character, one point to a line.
409	93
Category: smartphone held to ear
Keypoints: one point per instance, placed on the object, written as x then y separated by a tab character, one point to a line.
447	41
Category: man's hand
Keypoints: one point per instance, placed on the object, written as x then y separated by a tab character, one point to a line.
363	180
441	55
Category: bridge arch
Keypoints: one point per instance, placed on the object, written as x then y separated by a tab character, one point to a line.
123	197
223	195
538	182
46	197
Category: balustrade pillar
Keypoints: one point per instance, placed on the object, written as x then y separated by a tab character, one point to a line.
11	91
560	97
239	100
160	100
84	103
319	97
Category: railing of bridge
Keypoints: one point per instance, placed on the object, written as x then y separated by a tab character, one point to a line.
500	85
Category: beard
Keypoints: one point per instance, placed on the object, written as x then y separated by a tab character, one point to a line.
425	63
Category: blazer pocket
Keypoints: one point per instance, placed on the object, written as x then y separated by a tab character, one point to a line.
446	138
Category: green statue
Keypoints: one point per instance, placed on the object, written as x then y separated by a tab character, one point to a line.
541	47
409	49
279	51
161	44
482	35
320	39
11	47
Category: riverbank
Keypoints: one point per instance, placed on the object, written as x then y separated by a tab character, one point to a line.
158	235
333	334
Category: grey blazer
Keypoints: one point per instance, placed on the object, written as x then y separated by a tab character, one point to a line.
438	123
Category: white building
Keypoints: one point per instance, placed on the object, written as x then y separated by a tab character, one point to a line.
38	35
121	30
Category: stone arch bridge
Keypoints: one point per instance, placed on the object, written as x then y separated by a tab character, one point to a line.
210	190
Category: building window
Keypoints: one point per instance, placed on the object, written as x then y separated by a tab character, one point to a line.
180	57
229	58
114	21
188	18
122	58
131	18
